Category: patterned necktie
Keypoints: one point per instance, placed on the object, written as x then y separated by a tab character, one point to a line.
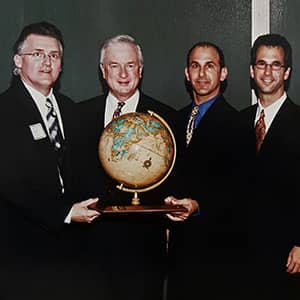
56	139
117	112
260	130
191	124
55	134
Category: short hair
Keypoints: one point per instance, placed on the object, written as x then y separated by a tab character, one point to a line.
211	45
272	40
123	38
40	28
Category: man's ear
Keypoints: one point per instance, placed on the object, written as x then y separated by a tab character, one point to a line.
224	73
141	71
18	61
287	73
251	72
102	70
187	76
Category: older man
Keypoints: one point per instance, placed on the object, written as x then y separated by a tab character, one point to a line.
132	247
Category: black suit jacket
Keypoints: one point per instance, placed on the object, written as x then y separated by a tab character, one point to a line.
274	203
210	169
129	248
32	204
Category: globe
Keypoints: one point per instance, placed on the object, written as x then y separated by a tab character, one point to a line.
138	150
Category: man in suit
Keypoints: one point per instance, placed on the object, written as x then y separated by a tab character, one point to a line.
132	247
203	248
273	124
36	128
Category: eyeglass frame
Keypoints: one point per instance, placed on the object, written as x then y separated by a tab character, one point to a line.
41	55
263	65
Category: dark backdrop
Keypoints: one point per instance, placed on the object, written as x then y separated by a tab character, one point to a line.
285	20
165	29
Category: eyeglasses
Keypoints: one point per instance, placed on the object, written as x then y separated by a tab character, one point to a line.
275	65
40	56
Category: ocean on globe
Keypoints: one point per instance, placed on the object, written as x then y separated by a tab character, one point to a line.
137	150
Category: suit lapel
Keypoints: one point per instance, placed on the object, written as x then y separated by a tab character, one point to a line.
280	126
215	112
27	111
142	106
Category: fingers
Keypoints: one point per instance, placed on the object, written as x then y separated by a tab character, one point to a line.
89	201
288	261
293	268
175	218
293	261
82	213
170	200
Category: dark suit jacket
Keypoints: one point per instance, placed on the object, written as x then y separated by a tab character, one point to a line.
32	204
274	203
208	167
130	248
209	172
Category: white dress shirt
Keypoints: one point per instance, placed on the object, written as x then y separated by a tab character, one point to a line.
270	111
40	101
112	103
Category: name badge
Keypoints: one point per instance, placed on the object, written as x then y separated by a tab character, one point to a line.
37	131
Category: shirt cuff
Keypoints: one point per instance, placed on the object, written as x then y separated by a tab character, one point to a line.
68	217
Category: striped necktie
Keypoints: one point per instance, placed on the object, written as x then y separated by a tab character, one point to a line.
191	124
260	130
57	140
117	112
55	133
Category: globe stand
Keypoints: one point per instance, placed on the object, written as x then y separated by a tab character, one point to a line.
135	187
135	200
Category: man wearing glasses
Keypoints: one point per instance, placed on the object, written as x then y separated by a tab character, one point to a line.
36	128
274	216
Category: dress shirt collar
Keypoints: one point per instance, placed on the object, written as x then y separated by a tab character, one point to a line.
270	111
40	101
203	108
112	103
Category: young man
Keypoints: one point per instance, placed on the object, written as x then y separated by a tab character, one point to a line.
274	124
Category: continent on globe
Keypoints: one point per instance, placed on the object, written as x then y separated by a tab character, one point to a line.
138	150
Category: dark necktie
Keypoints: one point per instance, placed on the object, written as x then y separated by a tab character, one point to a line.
117	112
56	139
260	130
191	124
55	133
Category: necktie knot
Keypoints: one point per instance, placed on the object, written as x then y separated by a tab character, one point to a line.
260	130
191	124
195	110
117	112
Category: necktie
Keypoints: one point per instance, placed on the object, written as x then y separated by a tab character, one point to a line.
56	139
191	124
54	130
260	130
117	112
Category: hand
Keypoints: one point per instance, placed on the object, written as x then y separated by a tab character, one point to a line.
293	262
190	205
81	212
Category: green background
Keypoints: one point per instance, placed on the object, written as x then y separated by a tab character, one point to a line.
165	30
